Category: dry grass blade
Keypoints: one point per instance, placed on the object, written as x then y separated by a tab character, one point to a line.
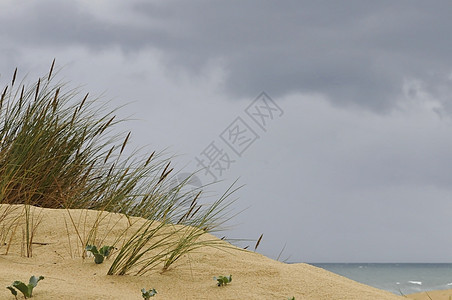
258	242
108	154
51	70
4	93
149	158
83	101
14	77
124	144
22	91
55	100
37	89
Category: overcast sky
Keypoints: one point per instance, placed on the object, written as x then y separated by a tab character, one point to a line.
346	158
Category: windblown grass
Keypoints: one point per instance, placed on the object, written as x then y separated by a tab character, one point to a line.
60	149
162	243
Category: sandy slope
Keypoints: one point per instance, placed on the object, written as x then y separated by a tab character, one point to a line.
68	276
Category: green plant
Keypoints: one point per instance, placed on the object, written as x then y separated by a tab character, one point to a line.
101	254
293	298
25	289
148	294
223	280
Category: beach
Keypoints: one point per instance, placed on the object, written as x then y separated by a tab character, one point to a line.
57	256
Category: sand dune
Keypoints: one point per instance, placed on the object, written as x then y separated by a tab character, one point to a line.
56	256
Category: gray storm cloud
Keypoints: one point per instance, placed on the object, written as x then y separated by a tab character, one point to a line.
356	53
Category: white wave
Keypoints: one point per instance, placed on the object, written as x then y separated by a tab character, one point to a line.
416	282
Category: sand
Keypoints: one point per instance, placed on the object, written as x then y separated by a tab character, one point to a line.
57	257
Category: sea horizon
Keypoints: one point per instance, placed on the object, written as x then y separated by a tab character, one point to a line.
398	278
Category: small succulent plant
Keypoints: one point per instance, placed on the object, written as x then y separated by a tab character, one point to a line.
25	289
223	280
148	294
99	255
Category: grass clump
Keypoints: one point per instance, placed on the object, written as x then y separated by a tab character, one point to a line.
157	242
60	149
25	289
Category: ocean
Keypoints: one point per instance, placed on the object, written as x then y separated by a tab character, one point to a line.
398	278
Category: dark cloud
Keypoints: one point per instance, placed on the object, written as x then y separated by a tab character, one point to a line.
57	23
357	53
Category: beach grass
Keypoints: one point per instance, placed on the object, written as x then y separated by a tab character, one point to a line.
61	149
